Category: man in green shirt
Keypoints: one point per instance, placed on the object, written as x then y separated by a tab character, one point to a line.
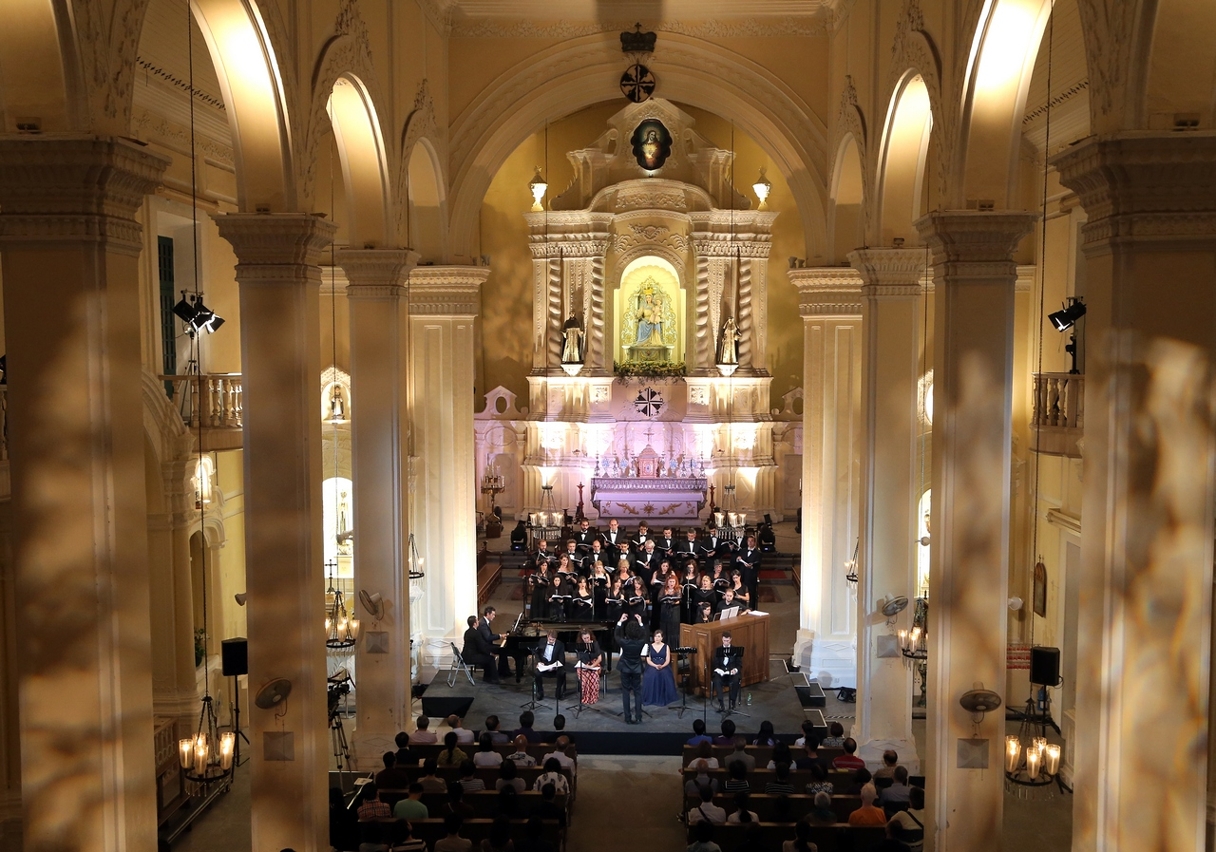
411	808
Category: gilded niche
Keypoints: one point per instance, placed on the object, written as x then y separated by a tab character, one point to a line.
648	327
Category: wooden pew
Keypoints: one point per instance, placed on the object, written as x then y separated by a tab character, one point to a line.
431	830
770	808
830	838
841	781
763	754
484	802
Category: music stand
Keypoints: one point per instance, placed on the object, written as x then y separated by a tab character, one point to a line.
682	655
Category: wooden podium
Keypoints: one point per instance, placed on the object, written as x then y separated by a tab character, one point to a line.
747	631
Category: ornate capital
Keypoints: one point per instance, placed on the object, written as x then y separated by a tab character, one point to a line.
890	272
447	290
267	245
63	189
376	273
830	291
972	245
1144	189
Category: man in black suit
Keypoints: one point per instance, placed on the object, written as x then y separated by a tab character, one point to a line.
643	536
630	637
747	560
551	662
716	547
622	552
477	652
727	667
665	545
687	549
542	554
490	638
583	536
577	565
613	536
646	562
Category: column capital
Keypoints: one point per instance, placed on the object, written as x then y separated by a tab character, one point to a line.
275	240
54	190
973	245
890	272
446	290
827	291
376	273
1144	188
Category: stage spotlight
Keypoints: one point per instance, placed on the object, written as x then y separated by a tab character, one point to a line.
1064	319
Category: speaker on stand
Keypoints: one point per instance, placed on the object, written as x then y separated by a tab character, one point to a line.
1044	673
234	655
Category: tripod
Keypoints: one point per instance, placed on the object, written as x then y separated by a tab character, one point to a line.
341	748
236	723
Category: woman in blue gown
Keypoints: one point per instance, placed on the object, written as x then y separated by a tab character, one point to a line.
658	681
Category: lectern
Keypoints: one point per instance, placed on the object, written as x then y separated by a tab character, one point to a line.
749	631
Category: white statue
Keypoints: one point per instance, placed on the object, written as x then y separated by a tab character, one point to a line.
572	348
730	343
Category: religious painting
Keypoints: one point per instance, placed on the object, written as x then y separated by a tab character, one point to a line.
651	144
1040	590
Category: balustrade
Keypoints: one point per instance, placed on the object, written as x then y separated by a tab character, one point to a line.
212	401
1059	413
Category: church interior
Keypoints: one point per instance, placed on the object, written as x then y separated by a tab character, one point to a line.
925	290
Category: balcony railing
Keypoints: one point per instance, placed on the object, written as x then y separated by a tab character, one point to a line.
1059	414
214	403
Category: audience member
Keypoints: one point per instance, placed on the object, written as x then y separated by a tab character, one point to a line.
896	797
849	760
819	782
496	736
822	813
698	733
808	730
861	778
423	734
692	787
508	776
727	736
781	754
765	736
500	836
548	808
411	807
810	754
741	813
552	775
835	737
453	842
534	838
703	838
343	822
463	735
403	839
802	839
451	755
889	761
372	807
430	780
526	721
405	757
781	784
508	803
485	754
456	803
706	811
705	752
390	777
740	754
868	813
737	781
468	778
520	756
908	827
561	747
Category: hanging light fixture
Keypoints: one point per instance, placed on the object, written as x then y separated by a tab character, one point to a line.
341	630
206	757
538	187
762	187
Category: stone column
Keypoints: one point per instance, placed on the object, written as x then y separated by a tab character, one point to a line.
444	302
974	278
830	300
280	284
70	244
379	357
1145	609
891	366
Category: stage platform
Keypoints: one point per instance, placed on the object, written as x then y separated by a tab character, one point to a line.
600	728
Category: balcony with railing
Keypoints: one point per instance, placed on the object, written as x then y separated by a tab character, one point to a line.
1059	414
212	403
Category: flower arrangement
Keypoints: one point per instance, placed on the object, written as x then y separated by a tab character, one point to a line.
649	369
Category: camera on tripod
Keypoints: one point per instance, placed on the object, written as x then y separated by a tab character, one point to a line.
338	686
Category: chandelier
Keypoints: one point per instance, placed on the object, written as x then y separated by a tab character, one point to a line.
206	757
1030	761
341	631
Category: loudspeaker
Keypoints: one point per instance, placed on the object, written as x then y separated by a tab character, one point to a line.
1045	666
235	655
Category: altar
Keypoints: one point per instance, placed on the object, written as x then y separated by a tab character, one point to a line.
674	499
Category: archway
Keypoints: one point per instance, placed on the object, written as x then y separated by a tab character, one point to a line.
847	224
903	153
584	71
427	205
364	162
39	67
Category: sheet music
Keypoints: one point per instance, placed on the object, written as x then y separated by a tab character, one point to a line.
547	667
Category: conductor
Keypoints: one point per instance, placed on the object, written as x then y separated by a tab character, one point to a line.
727	662
630	637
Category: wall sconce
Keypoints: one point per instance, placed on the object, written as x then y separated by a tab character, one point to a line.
762	187
538	187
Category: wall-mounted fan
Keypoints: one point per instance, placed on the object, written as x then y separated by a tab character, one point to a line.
979	701
893	607
373	603
273	694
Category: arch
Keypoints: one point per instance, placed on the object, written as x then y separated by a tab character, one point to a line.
40	69
364	162
1003	50
422	127
902	155
583	71
847	224
246	63
427	203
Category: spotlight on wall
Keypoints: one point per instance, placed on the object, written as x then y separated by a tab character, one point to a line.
241	597
1064	319
196	315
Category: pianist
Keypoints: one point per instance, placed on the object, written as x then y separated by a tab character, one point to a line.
483	627
478	652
